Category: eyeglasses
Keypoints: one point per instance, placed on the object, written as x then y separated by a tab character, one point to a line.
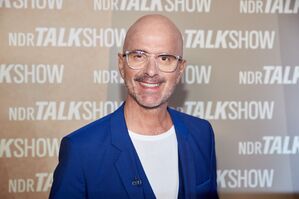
138	59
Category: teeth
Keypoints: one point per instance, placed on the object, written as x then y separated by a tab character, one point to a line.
149	85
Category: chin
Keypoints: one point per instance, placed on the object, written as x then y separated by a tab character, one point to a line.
150	105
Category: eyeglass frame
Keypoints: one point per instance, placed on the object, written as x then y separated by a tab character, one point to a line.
127	52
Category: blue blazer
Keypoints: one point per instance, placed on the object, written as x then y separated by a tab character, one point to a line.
100	161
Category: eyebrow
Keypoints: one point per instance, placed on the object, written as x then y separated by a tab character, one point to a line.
161	53
140	50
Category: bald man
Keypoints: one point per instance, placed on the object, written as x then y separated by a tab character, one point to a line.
144	149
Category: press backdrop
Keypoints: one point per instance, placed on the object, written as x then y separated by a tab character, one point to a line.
58	72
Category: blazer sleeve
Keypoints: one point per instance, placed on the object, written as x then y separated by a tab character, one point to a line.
213	173
68	178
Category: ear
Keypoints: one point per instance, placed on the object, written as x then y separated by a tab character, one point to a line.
121	64
182	66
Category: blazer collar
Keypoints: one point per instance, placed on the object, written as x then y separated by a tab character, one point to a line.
119	130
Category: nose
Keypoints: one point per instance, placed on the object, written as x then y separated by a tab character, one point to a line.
151	67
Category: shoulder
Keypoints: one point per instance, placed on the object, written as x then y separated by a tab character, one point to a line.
200	131
192	122
201	137
91	134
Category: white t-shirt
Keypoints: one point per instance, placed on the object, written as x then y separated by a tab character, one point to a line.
159	158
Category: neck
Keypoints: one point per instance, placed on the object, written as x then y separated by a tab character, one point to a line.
147	121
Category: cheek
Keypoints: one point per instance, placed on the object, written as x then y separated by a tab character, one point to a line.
129	77
174	79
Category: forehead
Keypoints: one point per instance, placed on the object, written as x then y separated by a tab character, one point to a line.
154	39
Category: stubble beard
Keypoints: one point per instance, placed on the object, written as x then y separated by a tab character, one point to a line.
138	99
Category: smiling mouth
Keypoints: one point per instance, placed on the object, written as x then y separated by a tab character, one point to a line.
149	85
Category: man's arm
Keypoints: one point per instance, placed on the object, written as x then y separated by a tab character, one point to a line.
213	193
68	180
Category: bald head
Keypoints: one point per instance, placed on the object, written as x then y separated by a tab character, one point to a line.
155	28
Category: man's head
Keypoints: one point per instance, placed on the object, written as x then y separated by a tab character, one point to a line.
151	63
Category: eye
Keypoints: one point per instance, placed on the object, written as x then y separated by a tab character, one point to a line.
137	56
166	58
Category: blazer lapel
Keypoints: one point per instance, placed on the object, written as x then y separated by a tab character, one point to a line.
128	165
186	161
129	176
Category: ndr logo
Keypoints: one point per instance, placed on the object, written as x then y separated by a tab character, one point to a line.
271	145
269	6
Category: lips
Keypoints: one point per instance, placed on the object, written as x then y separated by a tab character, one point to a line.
149	85
152	83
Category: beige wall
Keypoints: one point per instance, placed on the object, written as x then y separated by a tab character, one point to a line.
53	82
